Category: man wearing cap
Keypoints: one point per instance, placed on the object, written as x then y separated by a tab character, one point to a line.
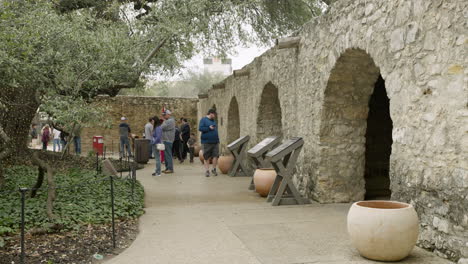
168	135
124	132
210	141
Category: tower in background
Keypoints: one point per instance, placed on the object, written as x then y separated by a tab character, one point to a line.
217	65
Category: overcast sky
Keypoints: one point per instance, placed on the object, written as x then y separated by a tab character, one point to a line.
242	57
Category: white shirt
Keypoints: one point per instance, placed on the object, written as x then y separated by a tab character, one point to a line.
56	134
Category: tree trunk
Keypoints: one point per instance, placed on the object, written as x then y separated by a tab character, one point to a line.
50	182
20	107
2	177
39	181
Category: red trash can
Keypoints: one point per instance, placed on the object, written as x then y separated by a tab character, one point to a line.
98	144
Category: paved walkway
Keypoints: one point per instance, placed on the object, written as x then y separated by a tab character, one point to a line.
191	219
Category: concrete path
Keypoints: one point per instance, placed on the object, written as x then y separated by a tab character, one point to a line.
191	219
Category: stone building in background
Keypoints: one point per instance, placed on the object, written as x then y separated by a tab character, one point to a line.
378	90
217	65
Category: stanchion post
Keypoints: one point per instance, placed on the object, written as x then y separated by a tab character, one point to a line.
133	179
97	162
23	201
113	212
121	167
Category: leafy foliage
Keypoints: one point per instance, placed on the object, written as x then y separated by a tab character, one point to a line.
74	54
68	111
74	207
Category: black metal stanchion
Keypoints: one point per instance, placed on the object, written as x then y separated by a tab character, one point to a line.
105	152
113	212
133	173
121	167
23	198
97	162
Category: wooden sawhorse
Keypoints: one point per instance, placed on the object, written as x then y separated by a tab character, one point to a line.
283	159
259	152
237	149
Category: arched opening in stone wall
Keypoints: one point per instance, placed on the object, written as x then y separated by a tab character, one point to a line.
269	113
217	114
355	132
233	121
378	144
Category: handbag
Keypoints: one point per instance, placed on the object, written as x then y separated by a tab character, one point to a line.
160	147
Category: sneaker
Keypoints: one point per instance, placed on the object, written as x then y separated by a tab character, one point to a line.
214	172
154	174
207	173
168	171
158	175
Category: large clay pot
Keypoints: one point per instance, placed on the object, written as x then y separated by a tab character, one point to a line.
202	159
225	163
196	150
200	156
263	180
383	230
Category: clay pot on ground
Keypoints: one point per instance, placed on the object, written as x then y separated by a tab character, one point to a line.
263	180
225	163
202	159
383	230
196	150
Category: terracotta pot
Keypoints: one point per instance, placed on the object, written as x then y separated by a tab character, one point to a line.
196	150
200	156
263	180
225	163
202	159
383	230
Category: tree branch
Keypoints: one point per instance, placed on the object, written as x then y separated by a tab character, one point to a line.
113	90
4	153
50	182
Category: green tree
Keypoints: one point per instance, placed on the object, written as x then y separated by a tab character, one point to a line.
82	48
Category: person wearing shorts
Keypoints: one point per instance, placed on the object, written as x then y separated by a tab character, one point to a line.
210	141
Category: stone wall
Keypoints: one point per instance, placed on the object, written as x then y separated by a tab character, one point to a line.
137	109
324	85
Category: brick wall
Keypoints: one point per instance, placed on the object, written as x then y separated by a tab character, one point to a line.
137	109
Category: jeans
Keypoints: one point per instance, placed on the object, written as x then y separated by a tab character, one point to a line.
157	158
151	150
185	149
77	143
44	145
57	144
168	155
124	141
176	149
192	151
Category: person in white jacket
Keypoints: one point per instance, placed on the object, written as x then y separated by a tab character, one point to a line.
56	143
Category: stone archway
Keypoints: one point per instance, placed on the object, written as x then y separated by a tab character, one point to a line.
269	113
217	114
233	121
355	132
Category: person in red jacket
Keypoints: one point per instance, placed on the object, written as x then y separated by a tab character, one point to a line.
45	137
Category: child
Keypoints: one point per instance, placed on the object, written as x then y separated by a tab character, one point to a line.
191	144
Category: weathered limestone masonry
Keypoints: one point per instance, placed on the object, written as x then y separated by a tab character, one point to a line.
137	109
378	90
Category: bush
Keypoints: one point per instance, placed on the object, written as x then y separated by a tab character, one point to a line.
86	203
